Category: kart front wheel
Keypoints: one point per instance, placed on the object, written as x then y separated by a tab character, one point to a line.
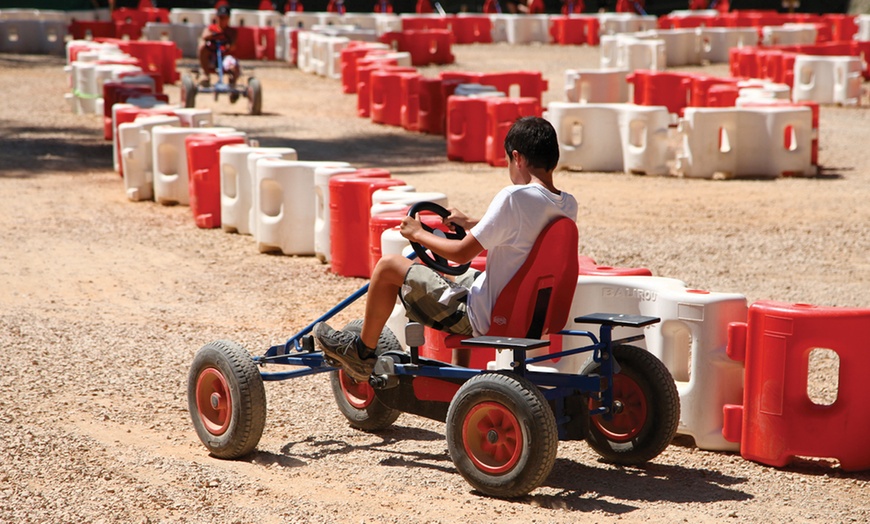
254	95
226	399
501	434
188	91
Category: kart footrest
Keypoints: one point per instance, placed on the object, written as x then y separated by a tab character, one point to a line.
616	319
506	342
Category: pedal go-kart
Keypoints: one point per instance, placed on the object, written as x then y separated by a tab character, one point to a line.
253	92
502	426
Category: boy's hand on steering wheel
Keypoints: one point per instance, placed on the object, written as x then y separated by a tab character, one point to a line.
411	228
457	218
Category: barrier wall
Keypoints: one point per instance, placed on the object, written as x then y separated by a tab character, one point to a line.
778	420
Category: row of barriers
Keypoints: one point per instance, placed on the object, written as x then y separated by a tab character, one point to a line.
755	401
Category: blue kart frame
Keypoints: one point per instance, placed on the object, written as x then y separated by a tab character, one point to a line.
503	426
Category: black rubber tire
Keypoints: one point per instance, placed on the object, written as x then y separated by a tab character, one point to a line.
358	401
188	91
255	96
223	373
651	409
504	405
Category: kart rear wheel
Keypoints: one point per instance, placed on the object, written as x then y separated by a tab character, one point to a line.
226	399
358	401
501	434
650	409
254	94
188	91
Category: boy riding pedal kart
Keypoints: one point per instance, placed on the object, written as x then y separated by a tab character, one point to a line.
215	57
502	425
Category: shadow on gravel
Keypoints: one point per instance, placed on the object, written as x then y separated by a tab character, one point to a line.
583	486
29	151
411	150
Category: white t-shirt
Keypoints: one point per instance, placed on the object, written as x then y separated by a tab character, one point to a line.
508	231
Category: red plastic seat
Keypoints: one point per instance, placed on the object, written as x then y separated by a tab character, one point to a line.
537	300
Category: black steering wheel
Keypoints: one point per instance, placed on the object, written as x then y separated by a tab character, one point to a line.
433	260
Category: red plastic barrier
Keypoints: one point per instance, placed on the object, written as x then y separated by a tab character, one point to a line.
742	62
418	23
116	92
426	46
90	30
431	118
366	90
141	15
204	176
409	101
255	43
658	88
350	204
350	57
466	128
384	221
501	113
386	96
778	420
593	30
843	27
588	267
567	30
423	7
156	56
700	89
471	29
722	95
511	83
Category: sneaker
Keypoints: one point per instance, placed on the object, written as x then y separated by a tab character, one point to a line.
346	349
234	97
205	82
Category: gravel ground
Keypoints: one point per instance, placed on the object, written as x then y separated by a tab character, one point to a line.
105	301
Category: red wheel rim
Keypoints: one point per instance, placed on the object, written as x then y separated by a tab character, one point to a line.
626	424
213	401
493	437
358	394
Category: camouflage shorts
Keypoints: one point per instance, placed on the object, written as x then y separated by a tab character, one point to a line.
437	302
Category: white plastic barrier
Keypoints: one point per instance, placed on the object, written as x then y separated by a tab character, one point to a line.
171	184
682	46
527	29
137	155
284	205
628	52
387	23
618	23
194	117
35	36
788	34
320	54
365	21
596	86
499	28
690	340
611	137
185	36
754	142
237	183
191	16
828	79
863	22
300	20
716	42
322	244
755	90
137	102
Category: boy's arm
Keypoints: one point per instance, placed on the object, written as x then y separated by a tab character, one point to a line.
458	251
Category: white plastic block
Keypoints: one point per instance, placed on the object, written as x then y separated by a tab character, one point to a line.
195	117
863	22
628	52
284	204
596	86
185	35
255	18
387	23
690	340
171	184
745	142
789	34
499	28
611	137
619	23
682	46
237	183
300	20
716	42
828	79
137	156
191	16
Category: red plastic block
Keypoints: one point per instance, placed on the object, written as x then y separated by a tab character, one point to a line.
350	56
567	30
154	57
657	88
409	101
90	30
843	27
386	96
364	72
431	118
426	46
466	128
384	221
350	204
255	43
501	113
116	92
204	176
778	420
722	95
471	29
700	88
417	23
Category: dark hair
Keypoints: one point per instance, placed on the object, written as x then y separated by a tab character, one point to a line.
534	138
223	10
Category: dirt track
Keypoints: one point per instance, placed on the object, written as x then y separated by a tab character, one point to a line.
104	302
